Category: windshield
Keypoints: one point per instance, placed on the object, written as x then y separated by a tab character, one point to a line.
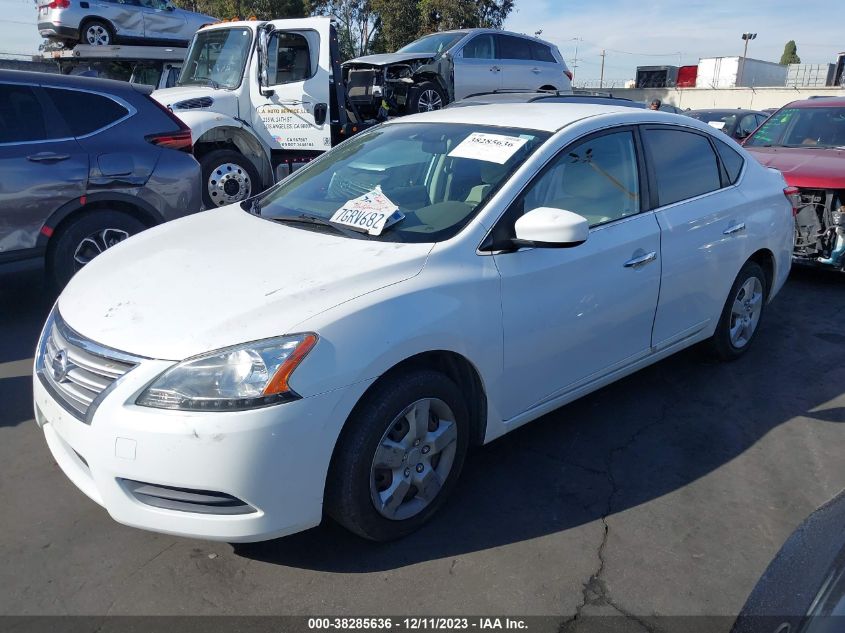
436	174
802	127
432	44
216	58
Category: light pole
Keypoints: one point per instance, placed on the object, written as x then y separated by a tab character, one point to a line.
747	37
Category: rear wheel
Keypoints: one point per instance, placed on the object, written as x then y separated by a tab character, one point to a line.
96	33
84	238
228	177
400	455
742	313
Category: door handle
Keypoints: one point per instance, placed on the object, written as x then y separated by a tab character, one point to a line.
494	69
47	157
736	228
641	260
536	71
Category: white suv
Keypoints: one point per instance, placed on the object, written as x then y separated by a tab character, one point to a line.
340	341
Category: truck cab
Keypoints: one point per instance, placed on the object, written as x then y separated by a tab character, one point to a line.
261	98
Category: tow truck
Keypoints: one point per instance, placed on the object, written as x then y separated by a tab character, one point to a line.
262	98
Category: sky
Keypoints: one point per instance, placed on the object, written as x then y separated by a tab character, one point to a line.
633	33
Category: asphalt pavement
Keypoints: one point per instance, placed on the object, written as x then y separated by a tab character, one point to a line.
666	493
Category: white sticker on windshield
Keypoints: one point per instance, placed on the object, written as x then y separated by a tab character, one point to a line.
371	213
494	148
716	124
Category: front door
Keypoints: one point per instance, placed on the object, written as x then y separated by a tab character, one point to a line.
476	67
572	315
298	71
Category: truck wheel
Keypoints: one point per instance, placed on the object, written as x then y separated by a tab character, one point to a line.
227	177
426	97
84	238
97	33
399	456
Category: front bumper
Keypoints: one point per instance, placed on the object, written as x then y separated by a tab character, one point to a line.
275	459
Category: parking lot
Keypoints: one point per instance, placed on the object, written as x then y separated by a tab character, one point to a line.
666	493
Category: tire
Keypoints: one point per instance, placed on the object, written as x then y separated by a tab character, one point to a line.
96	33
227	177
426	97
742	314
85	237
356	484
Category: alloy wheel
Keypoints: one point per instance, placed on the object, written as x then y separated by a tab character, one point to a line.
413	459
97	35
96	243
745	312
228	183
429	100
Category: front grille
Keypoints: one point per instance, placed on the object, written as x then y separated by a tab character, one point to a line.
77	371
186	499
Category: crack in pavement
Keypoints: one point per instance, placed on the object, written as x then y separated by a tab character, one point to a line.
595	592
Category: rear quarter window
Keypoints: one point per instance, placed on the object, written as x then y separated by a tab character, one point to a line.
731	161
85	112
542	53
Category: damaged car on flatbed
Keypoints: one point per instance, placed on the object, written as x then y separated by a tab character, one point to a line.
805	140
440	68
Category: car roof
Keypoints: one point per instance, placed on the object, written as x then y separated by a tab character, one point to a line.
93	84
529	96
542	115
724	111
819	102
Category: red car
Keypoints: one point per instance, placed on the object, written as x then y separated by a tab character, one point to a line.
805	141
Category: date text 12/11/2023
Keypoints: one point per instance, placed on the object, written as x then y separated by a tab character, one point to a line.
418	623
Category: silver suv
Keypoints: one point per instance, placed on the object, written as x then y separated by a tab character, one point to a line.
104	22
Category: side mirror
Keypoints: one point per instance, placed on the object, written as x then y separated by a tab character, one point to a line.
264	60
546	227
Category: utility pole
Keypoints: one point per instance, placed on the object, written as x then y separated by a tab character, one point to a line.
601	77
575	57
741	70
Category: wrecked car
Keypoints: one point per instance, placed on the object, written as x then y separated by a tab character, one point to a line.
443	67
805	140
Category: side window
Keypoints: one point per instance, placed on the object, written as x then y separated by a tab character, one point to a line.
172	76
542	53
731	160
597	178
290	58
511	47
85	112
747	125
684	164
479	47
21	116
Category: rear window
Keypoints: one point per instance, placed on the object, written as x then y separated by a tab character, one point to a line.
85	112
21	117
684	163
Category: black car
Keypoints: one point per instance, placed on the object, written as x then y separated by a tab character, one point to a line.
84	164
737	123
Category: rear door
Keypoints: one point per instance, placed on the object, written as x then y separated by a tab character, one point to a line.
163	22
703	238
42	167
519	70
476	67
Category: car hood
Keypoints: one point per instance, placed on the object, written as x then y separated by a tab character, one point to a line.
386	59
221	278
804	166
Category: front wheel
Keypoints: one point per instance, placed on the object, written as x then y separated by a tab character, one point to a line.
741	315
426	97
228	177
399	456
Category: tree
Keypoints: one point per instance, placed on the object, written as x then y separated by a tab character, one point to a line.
442	15
358	23
790	54
400	24
261	9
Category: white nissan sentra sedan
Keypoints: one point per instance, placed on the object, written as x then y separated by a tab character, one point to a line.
338	342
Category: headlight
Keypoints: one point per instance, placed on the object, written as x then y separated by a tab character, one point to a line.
232	379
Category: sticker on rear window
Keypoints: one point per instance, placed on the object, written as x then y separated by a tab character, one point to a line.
493	148
716	124
370	213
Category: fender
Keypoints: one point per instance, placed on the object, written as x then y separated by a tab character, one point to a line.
78	204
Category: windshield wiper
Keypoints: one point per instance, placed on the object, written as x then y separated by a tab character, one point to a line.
307	218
